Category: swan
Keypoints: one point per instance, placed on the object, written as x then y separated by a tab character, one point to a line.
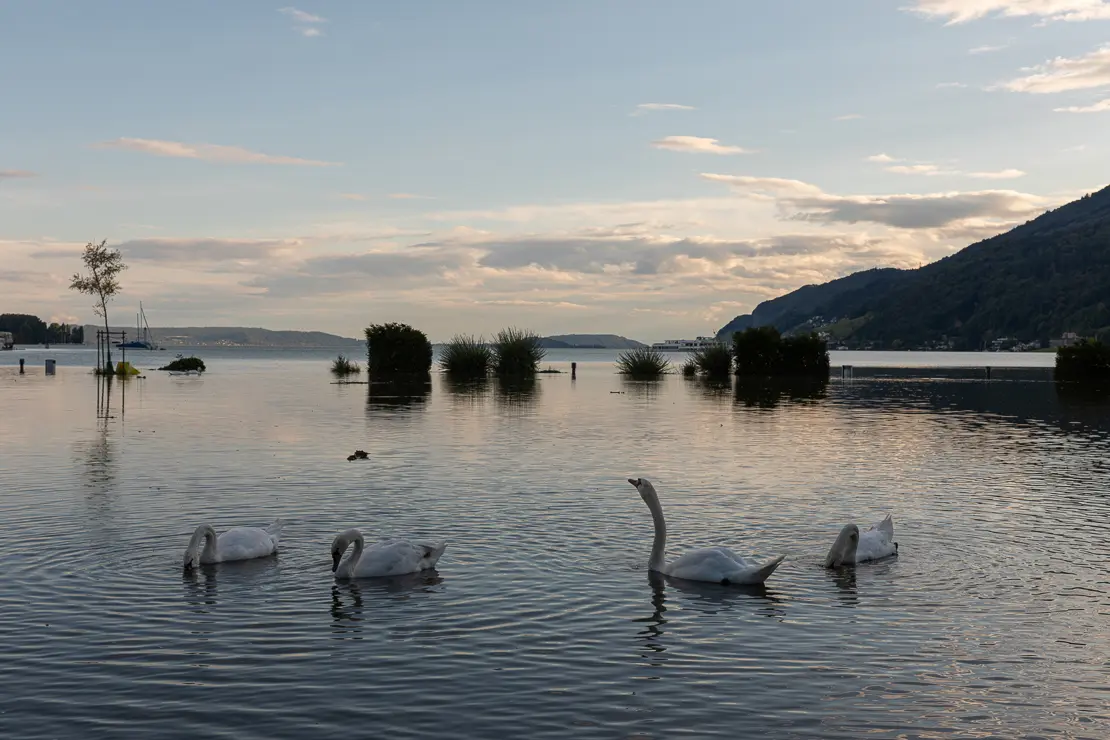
853	546
715	564
237	543
386	558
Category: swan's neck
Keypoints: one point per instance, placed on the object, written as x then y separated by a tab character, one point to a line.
660	543
194	552
356	539
209	543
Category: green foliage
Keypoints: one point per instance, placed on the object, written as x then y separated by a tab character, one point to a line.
397	349
102	281
343	367
28	329
690	369
643	363
465	357
1087	362
186	363
517	353
763	353
714	361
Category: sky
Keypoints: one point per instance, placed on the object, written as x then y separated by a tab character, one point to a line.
637	167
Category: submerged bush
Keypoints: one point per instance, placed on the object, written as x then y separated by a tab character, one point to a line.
341	366
643	363
466	357
1086	362
714	361
690	369
184	364
517	352
397	349
763	352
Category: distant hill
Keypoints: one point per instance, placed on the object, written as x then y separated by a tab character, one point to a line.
1048	276
232	336
589	341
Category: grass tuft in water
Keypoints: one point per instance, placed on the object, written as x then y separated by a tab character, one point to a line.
343	367
643	363
517	353
714	361
465	357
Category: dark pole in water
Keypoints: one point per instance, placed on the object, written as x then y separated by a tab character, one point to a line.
573	370
20	365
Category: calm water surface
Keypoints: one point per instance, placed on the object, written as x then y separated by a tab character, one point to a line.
542	620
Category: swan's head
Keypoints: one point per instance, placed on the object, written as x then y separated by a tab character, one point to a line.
643	485
843	551
339	545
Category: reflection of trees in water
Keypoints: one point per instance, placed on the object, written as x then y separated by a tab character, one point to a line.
409	392
475	391
713	390
769	393
646	389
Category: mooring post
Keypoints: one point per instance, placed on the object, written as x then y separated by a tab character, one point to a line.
573	370
20	365
988	372
50	366
845	371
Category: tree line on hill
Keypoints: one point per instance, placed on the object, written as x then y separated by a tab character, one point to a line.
28	329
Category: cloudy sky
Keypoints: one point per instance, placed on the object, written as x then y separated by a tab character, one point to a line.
641	167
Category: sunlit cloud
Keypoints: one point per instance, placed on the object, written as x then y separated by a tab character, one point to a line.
849	117
950	85
1008	174
962	11
1065	73
986	49
207	152
16	174
1099	107
696	145
643	108
305	23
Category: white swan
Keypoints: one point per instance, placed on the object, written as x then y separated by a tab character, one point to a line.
715	564
853	546
237	543
386	558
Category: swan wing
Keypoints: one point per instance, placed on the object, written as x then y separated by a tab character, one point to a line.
397	557
886	526
875	544
244	543
721	565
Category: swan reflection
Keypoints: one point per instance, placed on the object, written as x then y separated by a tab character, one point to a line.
845	580
713	598
347	596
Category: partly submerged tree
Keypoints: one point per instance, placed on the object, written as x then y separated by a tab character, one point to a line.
102	282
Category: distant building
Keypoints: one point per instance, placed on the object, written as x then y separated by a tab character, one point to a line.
1067	340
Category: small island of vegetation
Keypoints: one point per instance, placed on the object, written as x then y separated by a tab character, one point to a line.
1087	362
761	352
342	367
185	364
643	363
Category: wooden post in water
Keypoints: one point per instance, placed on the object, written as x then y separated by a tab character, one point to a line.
573	370
20	365
988	372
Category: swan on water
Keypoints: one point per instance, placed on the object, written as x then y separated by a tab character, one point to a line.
853	546
237	543
386	558
715	564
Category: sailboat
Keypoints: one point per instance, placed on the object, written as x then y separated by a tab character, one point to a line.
142	328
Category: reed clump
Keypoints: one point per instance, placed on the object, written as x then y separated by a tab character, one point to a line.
714	361
643	363
466	357
517	353
342	367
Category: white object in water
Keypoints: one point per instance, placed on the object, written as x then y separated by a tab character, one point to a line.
386	558
237	543
713	564
853	546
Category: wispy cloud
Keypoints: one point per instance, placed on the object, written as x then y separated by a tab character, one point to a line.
950	85
1099	107
849	117
962	11
643	108
1009	174
1063	73
208	152
986	49
354	196
926	169
697	145
882	158
16	174
306	24
408	196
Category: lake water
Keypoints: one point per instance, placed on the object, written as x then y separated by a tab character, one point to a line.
541	620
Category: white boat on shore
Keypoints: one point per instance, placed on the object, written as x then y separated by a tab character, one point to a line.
685	345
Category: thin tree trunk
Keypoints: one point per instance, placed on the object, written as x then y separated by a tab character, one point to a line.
108	336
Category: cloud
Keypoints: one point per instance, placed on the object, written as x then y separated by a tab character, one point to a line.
354	196
408	196
1099	107
950	85
801	201
207	152
918	169
16	174
882	158
962	11
204	251
985	49
697	145
643	108
1062	74
849	117
306	23
1009	174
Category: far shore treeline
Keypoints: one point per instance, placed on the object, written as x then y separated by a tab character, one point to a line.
28	329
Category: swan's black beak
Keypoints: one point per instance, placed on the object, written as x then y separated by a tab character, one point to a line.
634	481
335	560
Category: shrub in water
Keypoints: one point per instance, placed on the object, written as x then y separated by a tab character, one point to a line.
182	364
466	357
517	352
714	361
761	352
341	366
643	363
397	349
690	369
1086	362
